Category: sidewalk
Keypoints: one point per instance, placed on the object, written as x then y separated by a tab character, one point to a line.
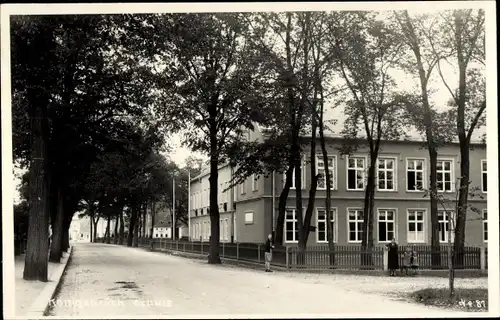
27	292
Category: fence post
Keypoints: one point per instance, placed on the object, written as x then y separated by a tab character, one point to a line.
258	254
482	258
223	249
176	245
386	259
287	257
201	247
237	251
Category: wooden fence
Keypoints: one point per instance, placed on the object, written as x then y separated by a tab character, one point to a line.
319	257
471	257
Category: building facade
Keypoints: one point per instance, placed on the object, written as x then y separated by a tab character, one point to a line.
401	211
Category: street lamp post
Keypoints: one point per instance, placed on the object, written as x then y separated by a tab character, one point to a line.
189	204
173	208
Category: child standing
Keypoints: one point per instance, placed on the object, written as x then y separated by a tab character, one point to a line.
407	260
414	261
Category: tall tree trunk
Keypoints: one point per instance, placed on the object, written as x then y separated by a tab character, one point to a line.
298	205
213	257
91	223
280	220
67	224
139	221
153	213
328	179
131	225
36	260
304	236
368	215
464	140
463	194
135	238
295	125
424	75
144	219
115	232
435	247
306	223
108	229
95	221
122	228
57	229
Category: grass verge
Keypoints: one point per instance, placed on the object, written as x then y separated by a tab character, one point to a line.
465	299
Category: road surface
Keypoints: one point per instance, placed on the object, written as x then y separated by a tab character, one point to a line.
113	280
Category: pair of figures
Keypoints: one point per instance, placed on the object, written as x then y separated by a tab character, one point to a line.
409	259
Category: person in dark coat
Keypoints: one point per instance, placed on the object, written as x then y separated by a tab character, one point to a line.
268	255
393	257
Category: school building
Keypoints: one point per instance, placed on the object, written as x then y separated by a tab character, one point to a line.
248	211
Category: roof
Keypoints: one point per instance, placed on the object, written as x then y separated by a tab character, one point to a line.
337	137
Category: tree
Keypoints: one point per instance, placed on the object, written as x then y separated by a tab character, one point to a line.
371	107
421	110
74	75
324	63
432	40
451	227
31	73
281	41
462	37
209	79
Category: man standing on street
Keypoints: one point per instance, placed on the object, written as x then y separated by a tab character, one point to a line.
268	254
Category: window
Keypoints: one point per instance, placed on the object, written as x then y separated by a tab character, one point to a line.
322	230
303	178
416	225
444	225
291	228
219	193
386	225
485	225
484	176
386	172
248	217
255	179
223	229
321	169
226	230
243	187
356	173
444	177
355	224
415	174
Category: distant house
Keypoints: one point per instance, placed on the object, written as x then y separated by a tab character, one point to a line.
163	224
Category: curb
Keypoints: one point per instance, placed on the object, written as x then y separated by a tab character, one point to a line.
41	305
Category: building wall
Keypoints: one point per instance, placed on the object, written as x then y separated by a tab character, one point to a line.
258	199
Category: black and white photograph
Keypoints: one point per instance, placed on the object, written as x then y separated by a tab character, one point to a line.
250	160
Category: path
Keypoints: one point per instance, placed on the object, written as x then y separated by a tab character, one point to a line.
120	281
27	291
